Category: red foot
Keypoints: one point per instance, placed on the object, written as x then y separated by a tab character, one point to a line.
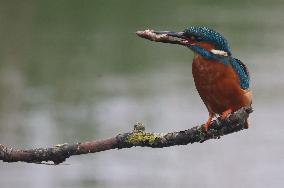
226	113
208	123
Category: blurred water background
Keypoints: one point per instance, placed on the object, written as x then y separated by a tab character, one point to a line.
74	71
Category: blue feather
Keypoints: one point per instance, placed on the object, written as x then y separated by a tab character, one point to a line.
209	55
242	72
238	66
211	36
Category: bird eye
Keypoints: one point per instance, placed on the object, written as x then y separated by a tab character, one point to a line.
198	39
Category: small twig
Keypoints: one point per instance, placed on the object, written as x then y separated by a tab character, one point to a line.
152	36
138	137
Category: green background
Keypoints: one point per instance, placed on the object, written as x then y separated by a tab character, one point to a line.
75	70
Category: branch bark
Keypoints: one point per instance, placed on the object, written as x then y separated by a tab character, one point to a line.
138	137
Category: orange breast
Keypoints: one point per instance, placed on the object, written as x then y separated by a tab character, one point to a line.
218	86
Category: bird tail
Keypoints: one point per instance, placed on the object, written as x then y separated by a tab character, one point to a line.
246	125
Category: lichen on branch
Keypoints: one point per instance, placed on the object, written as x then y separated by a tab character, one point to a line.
138	137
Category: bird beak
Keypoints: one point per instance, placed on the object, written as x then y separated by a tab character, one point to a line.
170	33
173	37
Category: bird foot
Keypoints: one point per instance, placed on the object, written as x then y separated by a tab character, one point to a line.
207	124
225	114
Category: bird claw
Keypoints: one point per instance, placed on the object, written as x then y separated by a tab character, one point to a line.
226	114
206	126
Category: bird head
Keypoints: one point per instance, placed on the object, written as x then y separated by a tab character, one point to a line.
202	37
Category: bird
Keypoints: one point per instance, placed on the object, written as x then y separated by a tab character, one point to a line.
222	81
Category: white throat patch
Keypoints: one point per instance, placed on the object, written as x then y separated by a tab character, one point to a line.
219	52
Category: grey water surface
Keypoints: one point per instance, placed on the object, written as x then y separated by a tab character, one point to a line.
73	71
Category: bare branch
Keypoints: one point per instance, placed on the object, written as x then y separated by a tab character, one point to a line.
138	137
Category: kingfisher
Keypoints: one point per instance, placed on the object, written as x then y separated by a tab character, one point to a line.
221	80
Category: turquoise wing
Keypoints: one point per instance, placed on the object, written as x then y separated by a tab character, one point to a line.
242	71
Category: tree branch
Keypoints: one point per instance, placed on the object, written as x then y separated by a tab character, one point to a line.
138	137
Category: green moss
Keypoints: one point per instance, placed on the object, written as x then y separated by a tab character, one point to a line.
200	133
142	137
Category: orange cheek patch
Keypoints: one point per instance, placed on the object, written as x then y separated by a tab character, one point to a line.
205	45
